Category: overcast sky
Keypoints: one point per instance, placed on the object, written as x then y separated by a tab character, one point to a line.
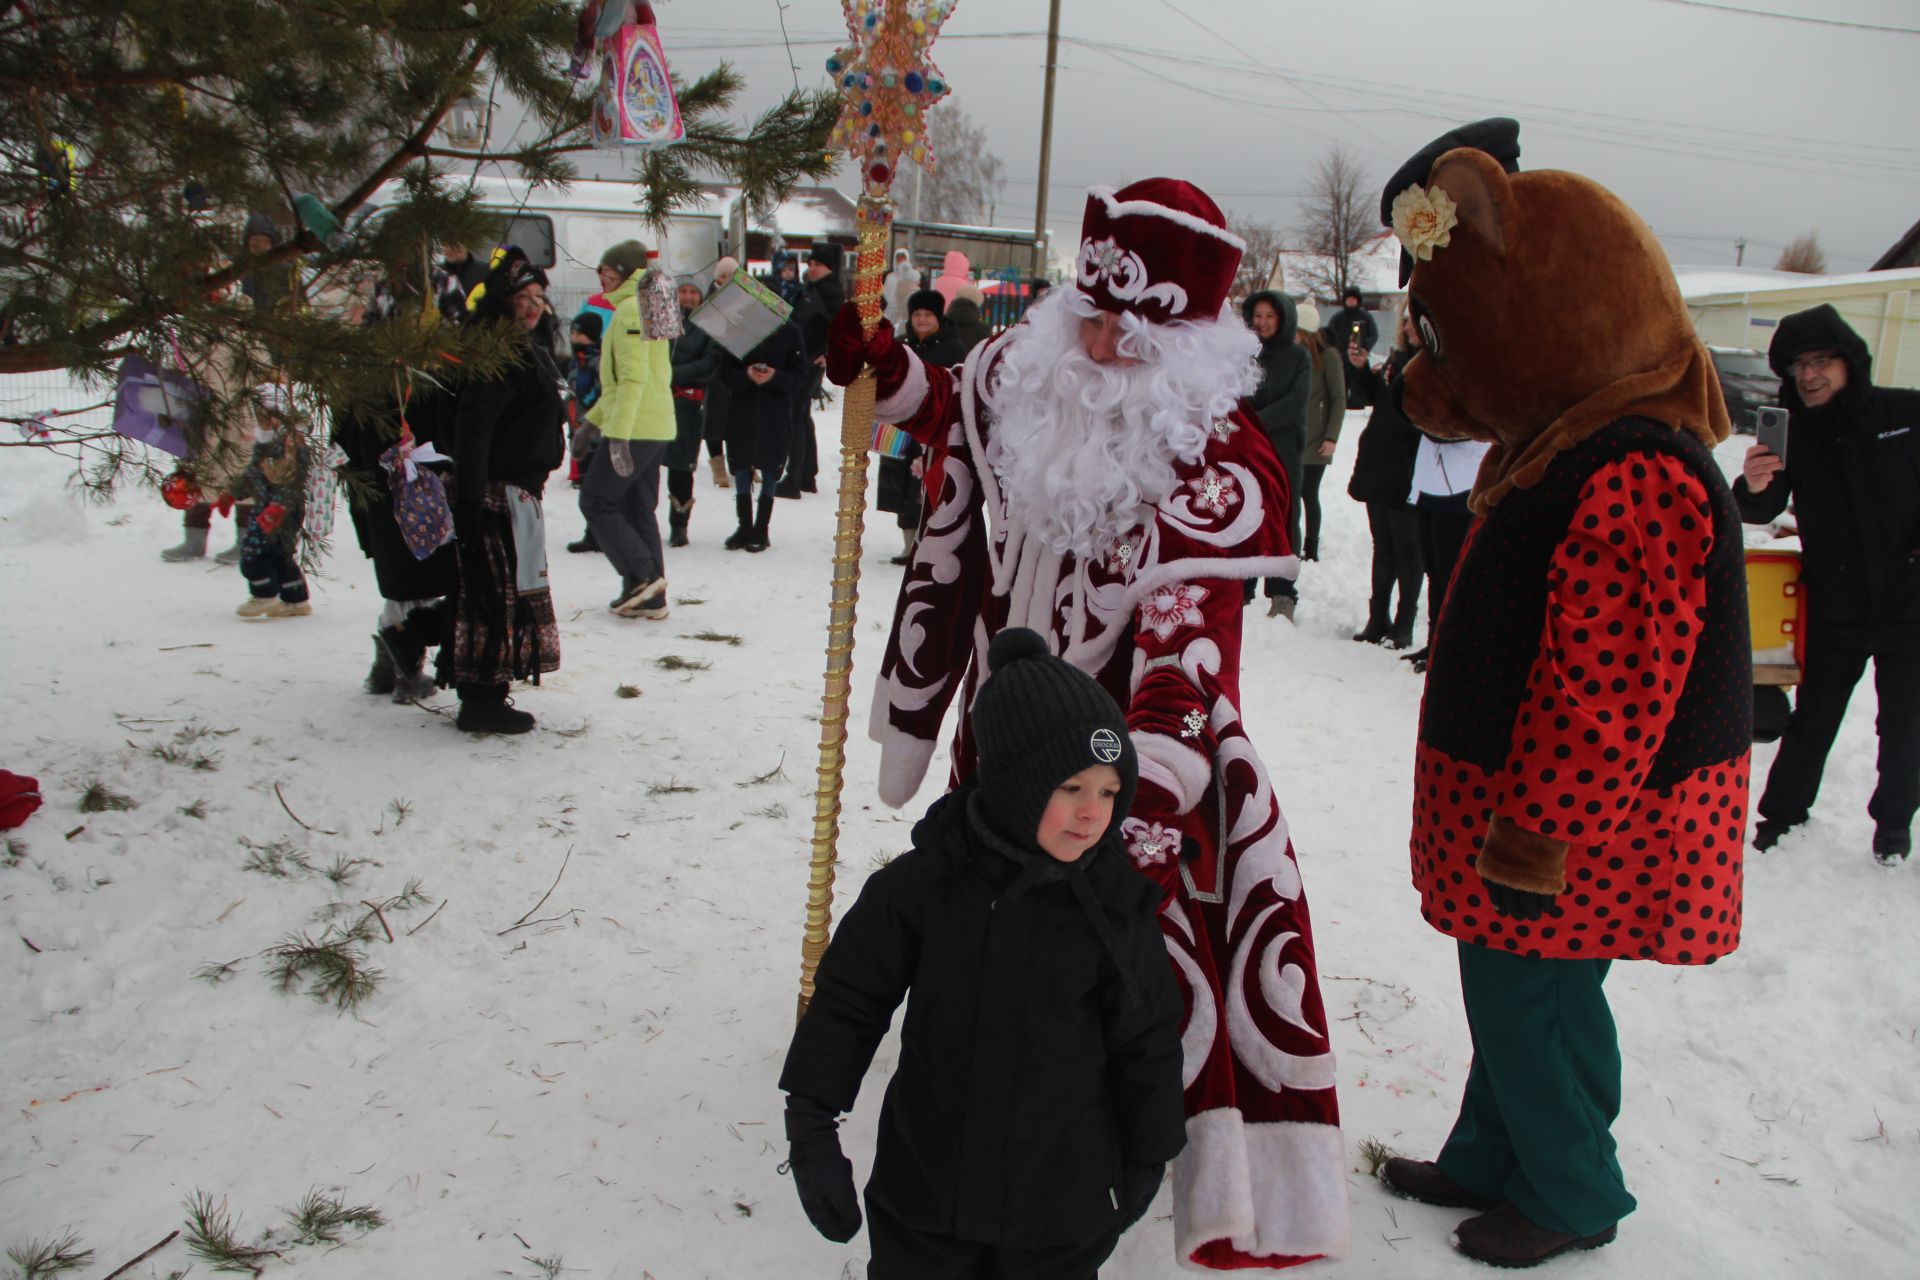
1714	121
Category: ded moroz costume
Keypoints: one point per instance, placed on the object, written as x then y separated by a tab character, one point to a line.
1113	500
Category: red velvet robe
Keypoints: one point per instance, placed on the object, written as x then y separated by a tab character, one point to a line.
1156	619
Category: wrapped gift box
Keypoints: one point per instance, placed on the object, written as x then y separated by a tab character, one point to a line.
153	407
741	314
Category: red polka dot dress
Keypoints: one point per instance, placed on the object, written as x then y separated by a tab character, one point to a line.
1652	874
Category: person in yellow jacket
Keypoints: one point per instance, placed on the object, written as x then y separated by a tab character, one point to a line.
620	494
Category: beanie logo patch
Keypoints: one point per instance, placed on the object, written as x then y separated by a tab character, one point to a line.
1105	745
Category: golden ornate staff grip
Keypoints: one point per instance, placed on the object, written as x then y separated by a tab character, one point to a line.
875	218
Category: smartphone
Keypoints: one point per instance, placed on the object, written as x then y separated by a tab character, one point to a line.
1770	429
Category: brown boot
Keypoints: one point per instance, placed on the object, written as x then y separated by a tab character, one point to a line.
1503	1237
1422	1180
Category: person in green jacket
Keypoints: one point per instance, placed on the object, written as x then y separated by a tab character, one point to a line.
620	494
1326	411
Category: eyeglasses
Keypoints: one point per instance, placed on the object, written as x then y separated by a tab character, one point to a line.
1813	363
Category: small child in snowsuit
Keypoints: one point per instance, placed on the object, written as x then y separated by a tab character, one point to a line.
275	480
1038	1096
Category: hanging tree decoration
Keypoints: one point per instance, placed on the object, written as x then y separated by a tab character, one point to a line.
888	82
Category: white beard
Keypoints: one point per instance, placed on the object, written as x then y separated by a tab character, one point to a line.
1083	451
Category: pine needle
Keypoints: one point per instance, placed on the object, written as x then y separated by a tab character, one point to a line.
16	853
674	662
1374	1153
188	757
98	797
279	859
672	788
44	1258
210	1237
320	1217
198	809
714	637
627	691
213	973
759	779
333	967
342	869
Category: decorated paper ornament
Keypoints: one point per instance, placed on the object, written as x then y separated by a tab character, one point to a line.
888	69
635	104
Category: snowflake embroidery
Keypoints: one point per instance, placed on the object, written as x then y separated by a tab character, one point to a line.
1213	492
1120	556
1149	843
1224	428
1172	607
1103	256
1196	722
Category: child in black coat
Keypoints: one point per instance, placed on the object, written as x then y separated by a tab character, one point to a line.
1038	1096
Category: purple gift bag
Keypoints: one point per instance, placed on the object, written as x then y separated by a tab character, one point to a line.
152	406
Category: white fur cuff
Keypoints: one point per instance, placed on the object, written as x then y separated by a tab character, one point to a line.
1270	1189
903	758
1179	770
906	401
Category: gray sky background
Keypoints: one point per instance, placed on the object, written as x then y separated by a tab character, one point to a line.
1711	122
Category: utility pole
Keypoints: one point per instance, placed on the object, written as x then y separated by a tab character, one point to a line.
1739	251
1046	140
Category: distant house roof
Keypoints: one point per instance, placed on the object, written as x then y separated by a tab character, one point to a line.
1717	282
809	213
1905	252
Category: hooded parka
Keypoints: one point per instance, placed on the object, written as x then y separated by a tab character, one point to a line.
1036	1058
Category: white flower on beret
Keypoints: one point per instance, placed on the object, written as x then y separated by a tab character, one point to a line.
1424	220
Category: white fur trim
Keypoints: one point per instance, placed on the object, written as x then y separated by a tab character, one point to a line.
903	757
1148	209
1296	1206
910	395
1174	767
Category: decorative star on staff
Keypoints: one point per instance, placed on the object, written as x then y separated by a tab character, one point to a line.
889	82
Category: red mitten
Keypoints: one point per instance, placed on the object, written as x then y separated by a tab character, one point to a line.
848	352
271	517
19	797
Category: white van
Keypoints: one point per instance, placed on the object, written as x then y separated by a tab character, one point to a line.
565	232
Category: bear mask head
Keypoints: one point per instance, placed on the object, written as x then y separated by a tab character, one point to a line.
1546	309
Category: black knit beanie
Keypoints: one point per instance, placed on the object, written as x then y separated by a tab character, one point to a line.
1037	721
927	300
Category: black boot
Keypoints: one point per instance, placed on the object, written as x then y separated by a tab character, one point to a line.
743	510
484	709
1374	632
757	538
408	654
380	677
585	544
677	515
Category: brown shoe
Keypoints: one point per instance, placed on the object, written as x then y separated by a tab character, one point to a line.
1503	1237
1422	1180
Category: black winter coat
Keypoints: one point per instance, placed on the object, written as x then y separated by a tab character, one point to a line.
1032	1070
819	303
1383	461
507	428
897	489
1339	329
963	317
1280	401
760	418
363	437
696	360
1853	473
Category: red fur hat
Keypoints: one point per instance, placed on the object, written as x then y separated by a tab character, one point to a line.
1159	248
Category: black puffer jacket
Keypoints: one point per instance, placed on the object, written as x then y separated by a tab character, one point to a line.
1036	1060
1383	462
1853	473
760	416
507	428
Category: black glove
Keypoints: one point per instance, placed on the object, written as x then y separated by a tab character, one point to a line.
1517	904
1139	1184
822	1175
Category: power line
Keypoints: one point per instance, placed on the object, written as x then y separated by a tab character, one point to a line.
1793	17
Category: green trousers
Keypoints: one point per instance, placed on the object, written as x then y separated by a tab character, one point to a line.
1535	1123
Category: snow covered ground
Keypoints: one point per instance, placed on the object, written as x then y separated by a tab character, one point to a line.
598	1088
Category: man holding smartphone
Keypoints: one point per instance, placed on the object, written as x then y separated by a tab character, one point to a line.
1852	468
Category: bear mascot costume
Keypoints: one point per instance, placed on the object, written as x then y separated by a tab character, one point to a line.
1580	788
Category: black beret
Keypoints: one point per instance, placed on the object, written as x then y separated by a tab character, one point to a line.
1499	137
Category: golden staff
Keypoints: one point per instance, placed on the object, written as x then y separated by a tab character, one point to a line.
888	83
